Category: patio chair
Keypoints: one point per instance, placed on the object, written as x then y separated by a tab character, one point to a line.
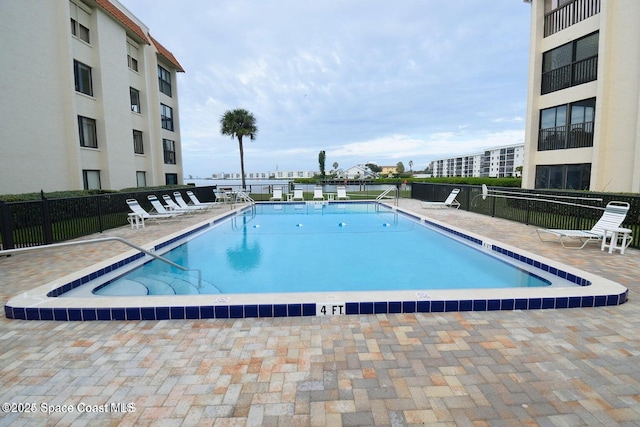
180	201
139	214
174	207
614	214
196	202
277	194
160	208
222	196
450	202
317	193
297	194
342	193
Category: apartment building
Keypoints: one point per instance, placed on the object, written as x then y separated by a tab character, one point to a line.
498	162
265	175
89	99
583	106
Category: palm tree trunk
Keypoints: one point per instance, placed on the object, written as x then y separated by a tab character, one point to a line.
244	185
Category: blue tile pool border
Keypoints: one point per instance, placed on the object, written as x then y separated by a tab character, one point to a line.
236	311
232	311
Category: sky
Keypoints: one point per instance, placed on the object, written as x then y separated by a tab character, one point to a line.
364	80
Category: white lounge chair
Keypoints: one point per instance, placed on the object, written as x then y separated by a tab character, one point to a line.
614	214
317	193
160	208
174	207
197	202
297	194
180	201
277	194
139	214
450	202
342	193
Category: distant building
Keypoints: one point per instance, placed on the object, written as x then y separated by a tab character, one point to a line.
358	172
388	170
583	108
496	162
89	99
265	175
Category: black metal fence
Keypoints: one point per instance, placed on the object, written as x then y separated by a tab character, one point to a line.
572	210
47	221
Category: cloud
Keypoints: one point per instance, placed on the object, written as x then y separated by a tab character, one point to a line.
362	79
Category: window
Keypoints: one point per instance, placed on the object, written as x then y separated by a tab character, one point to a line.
571	64
132	56
134	94
169	148
91	179
82	76
166	116
138	146
567	126
87	131
569	177
164	81
141	179
80	21
171	178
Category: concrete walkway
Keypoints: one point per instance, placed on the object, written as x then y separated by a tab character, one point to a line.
570	367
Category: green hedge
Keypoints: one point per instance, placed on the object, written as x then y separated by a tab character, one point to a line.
79	193
495	182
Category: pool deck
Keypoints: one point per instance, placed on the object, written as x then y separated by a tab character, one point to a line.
567	367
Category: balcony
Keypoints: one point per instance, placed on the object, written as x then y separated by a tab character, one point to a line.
570	75
563	137
569	14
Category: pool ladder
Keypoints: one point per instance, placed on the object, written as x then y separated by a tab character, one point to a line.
244	197
105	239
385	195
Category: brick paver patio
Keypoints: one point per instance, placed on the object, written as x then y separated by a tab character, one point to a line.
570	367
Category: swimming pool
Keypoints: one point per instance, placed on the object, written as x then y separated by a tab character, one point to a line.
320	247
548	284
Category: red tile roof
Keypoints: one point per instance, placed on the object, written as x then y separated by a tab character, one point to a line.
123	19
166	54
135	29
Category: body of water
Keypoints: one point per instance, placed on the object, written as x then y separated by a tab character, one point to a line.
265	186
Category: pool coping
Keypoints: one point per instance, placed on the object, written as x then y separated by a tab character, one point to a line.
42	303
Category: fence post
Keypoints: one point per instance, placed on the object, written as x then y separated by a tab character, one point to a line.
47	227
5	226
468	198
100	226
493	206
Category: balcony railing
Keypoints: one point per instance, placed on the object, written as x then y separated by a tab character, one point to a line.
570	75
562	137
569	14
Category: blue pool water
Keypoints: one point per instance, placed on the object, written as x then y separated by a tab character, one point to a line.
321	247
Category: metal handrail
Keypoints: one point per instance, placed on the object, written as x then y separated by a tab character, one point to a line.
244	196
100	240
241	195
384	194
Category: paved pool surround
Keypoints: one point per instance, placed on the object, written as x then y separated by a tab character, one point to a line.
45	302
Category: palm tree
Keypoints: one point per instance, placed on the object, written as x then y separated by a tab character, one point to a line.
239	123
